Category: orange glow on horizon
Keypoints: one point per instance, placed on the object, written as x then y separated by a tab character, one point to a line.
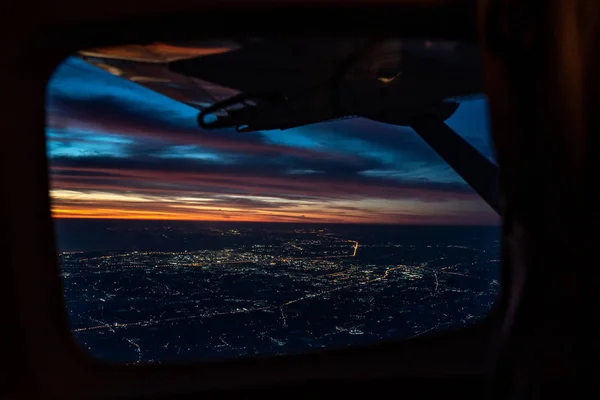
239	216
141	215
73	204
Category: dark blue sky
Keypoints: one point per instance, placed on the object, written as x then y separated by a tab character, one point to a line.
119	150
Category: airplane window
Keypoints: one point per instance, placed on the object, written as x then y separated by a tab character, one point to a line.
228	199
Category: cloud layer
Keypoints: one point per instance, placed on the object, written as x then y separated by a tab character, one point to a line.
118	150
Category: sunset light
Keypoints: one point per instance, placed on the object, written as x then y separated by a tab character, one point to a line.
120	151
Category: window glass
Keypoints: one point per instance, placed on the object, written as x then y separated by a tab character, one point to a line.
179	243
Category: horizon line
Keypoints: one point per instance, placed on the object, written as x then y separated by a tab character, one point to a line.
277	222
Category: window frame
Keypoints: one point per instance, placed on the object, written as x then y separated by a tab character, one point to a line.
54	356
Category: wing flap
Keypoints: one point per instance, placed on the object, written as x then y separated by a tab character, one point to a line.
161	52
157	77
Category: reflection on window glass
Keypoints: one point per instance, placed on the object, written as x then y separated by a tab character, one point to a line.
312	217
470	121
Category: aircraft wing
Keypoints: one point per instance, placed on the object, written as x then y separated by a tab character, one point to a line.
207	73
228	67
148	66
273	65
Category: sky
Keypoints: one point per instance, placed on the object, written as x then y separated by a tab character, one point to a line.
118	150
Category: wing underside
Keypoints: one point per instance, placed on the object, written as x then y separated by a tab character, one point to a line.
207	73
148	66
